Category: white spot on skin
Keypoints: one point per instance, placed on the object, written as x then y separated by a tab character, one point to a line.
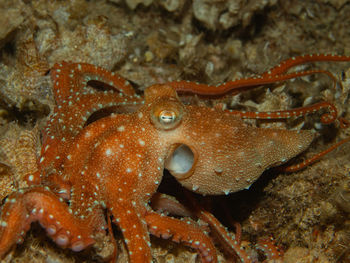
241	153
121	128
108	152
141	142
218	170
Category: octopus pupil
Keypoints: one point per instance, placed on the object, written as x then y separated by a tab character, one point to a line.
167	117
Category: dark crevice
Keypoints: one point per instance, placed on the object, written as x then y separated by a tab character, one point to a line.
28	114
100	86
108	111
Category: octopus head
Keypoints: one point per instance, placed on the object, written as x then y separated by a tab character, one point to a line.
169	116
212	152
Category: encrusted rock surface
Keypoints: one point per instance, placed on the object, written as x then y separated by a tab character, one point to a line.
219	14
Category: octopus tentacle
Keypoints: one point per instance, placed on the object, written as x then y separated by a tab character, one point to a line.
169	204
316	157
75	107
271	251
276	74
39	204
76	103
299	60
182	231
326	118
240	85
63	128
231	243
134	230
69	78
228	241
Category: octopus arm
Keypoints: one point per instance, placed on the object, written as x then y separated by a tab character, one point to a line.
181	231
134	231
38	204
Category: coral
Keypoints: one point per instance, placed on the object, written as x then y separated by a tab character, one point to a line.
336	3
220	14
342	196
23	83
12	15
6	181
20	148
91	42
169	5
304	255
134	3
217	14
172	5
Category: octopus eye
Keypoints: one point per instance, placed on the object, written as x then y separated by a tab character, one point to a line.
167	117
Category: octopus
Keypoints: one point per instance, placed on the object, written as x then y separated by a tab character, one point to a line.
104	150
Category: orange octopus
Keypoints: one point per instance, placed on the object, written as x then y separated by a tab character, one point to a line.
105	150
